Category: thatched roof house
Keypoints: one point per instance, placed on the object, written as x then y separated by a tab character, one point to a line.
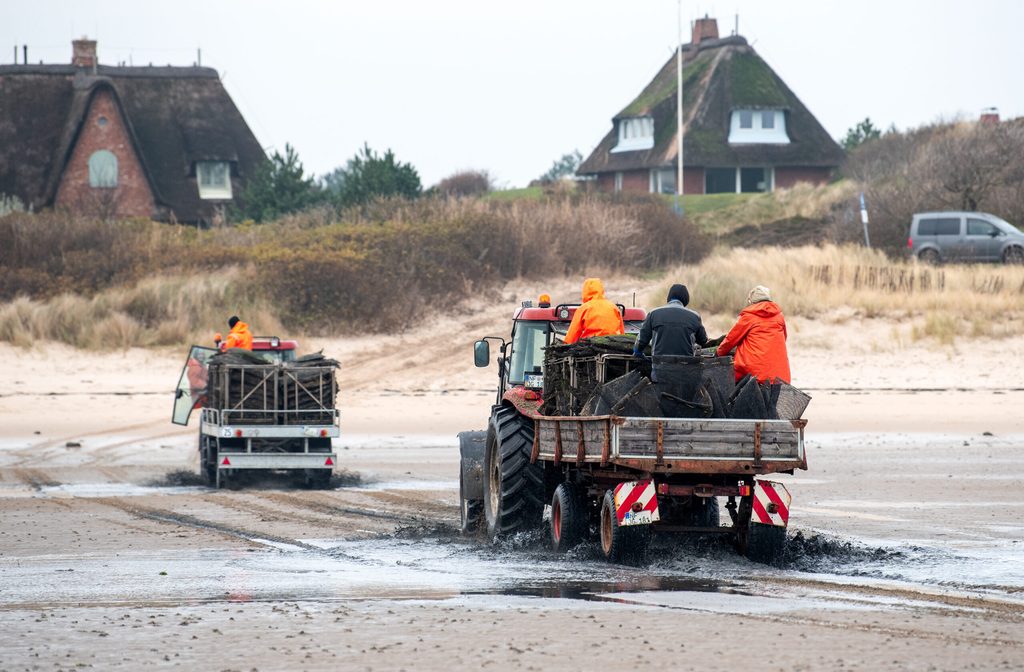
745	130
160	142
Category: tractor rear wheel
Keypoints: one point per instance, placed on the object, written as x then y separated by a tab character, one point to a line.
513	488
618	543
569	518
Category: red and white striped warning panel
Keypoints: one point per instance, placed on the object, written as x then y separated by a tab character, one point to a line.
636	503
771	503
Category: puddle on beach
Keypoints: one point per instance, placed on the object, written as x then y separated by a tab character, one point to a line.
704	575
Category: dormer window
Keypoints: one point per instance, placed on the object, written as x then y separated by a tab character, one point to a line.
758	127
635	133
214	178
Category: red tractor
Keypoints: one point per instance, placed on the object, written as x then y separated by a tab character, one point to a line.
625	475
516	504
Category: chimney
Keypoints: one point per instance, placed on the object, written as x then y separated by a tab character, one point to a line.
704	29
990	116
83	53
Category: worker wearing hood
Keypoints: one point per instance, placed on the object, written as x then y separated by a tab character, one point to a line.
759	337
239	336
597	316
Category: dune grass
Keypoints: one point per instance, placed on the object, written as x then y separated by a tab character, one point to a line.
942	303
157	311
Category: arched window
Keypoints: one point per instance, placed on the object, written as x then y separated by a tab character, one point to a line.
102	169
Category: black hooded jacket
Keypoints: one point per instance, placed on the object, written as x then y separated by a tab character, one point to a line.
674	329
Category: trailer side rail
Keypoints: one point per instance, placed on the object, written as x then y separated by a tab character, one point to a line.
707	445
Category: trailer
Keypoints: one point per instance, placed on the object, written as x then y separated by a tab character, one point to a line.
613	475
264	410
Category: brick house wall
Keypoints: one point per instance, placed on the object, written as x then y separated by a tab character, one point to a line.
788	177
104	128
639	181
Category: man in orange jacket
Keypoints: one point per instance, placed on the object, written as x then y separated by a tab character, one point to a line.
239	336
759	337
597	316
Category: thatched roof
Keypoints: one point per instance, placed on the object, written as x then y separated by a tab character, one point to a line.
175	116
719	76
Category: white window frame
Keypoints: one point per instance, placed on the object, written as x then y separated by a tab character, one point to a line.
208	189
758	132
769	176
103	169
662	178
635	133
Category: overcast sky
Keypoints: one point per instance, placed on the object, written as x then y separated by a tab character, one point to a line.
509	87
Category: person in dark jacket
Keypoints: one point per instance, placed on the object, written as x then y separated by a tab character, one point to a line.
672	329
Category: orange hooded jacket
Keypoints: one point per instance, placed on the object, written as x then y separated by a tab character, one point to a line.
239	337
759	337
597	316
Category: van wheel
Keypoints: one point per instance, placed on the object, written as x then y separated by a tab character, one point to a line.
1013	255
930	257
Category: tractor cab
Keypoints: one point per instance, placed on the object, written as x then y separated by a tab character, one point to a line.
191	391
534	327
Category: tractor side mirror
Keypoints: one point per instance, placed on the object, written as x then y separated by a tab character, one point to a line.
481	353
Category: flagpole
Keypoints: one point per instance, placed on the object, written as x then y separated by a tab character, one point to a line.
679	107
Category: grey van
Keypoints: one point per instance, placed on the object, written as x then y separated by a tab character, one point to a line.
936	237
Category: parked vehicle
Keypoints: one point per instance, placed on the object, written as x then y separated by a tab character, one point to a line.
937	237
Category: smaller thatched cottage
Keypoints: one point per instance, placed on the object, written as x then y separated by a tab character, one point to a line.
745	130
157	142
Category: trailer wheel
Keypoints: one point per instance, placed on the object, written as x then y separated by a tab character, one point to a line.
319	479
765	543
513	488
208	460
569	518
470	510
621	544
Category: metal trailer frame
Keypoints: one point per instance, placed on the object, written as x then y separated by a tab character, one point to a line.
686	458
261	414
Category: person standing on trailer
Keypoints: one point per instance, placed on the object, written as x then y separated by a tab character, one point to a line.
597	316
671	330
239	336
759	337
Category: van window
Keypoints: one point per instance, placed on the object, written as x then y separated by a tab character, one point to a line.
979	227
939	226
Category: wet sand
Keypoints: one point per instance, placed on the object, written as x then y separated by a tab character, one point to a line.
905	548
